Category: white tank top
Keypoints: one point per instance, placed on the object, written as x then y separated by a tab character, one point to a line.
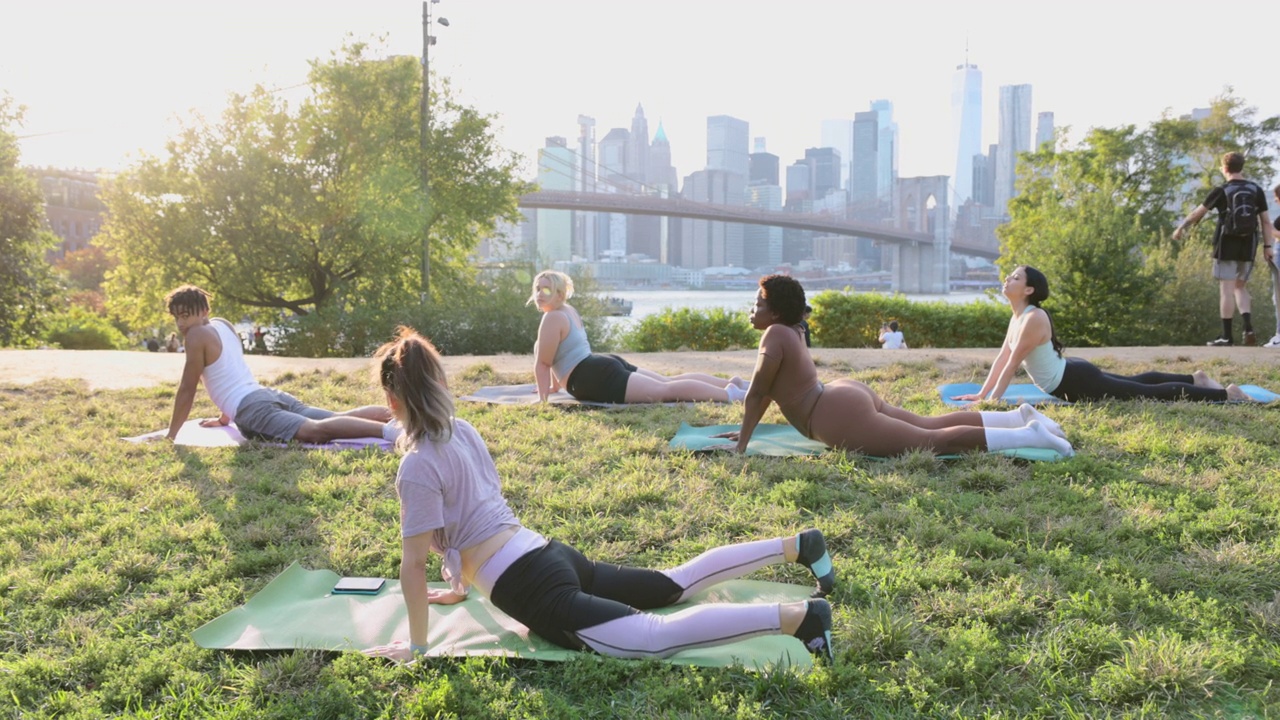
228	379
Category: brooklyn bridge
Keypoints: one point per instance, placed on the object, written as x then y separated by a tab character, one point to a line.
921	252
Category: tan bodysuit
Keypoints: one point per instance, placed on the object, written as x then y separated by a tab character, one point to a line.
795	387
848	414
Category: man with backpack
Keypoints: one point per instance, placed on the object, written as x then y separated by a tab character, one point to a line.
1242	207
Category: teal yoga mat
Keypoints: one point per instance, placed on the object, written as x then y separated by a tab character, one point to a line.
1018	394
784	440
298	610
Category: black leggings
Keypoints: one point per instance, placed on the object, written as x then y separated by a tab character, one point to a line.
556	591
600	378
1082	380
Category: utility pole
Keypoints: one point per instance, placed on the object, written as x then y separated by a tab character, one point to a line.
425	113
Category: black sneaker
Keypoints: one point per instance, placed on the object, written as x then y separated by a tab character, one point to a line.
1220	342
815	630
811	551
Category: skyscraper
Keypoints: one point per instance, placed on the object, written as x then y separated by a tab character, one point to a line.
1015	138
838	134
658	171
556	171
866	161
613	155
966	127
584	223
887	151
611	228
764	169
824	164
638	148
706	243
761	244
1044	129
727	145
799	196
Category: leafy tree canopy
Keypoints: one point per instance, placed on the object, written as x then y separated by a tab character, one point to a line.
26	281
1097	218
281	209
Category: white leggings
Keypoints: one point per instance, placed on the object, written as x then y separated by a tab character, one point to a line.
571	601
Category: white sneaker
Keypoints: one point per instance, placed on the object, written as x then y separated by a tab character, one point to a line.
1273	342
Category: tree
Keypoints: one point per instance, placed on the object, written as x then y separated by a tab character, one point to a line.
279	209
26	281
1097	219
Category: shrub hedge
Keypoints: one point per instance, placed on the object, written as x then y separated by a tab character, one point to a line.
853	320
689	329
79	329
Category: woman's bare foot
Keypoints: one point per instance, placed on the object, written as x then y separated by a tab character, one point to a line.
1235	393
1204	381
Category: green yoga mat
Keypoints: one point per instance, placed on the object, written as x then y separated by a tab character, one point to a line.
784	441
297	610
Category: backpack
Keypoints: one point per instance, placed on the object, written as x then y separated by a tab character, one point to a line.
1241	215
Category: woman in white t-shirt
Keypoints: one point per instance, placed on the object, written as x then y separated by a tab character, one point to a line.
451	504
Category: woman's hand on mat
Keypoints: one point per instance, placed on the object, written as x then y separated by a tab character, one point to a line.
971	397
398	650
731	435
212	422
444	597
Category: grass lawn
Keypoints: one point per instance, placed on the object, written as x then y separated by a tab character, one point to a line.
1139	579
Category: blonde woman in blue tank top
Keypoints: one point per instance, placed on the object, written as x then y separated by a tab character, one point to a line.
563	359
1032	344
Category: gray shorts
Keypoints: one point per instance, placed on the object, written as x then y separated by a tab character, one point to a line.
1232	270
269	414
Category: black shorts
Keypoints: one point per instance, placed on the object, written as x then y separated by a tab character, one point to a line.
600	378
556	591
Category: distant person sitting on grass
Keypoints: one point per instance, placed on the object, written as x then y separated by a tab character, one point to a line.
563	359
891	337
451	504
214	355
848	414
1031	343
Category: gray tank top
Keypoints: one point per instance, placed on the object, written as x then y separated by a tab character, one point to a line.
572	350
1044	365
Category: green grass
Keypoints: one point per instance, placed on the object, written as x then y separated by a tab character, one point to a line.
1139	579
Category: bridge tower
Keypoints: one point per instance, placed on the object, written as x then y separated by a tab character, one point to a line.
921	206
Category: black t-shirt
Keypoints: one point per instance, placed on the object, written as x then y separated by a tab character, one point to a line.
1230	247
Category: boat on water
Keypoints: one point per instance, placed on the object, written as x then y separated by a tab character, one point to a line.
617	307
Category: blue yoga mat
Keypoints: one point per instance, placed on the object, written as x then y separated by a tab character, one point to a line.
785	441
1018	394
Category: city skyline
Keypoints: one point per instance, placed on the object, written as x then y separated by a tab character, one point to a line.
101	81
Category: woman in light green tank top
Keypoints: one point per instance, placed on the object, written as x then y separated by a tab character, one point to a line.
1032	344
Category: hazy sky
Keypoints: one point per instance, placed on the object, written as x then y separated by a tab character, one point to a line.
104	79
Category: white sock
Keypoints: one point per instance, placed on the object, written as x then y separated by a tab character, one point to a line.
735	393
1002	418
1029	413
392	431
1034	435
1019	418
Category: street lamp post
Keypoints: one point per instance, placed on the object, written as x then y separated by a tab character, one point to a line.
425	111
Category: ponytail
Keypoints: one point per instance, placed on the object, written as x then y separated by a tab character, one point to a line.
409	369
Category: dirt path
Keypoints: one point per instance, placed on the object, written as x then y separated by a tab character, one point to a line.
107	369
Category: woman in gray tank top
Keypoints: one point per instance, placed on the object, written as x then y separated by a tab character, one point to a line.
563	359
